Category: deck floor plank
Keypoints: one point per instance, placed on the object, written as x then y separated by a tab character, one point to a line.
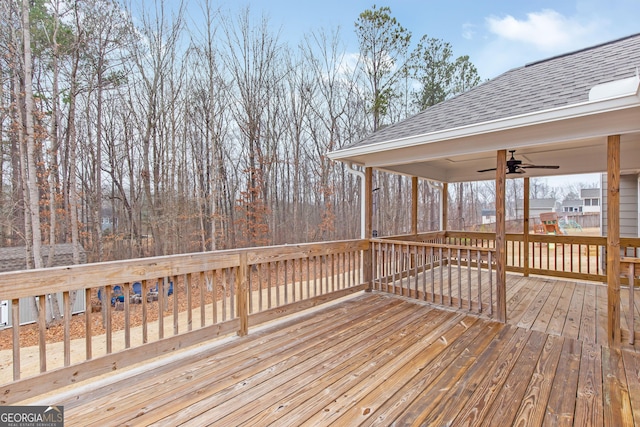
632	371
379	359
476	409
294	408
533	408
589	410
550	307
574	316
509	398
323	368
560	410
560	315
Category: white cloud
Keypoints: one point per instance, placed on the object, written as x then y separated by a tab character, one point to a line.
468	31
547	31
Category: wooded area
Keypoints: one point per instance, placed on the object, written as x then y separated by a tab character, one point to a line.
141	130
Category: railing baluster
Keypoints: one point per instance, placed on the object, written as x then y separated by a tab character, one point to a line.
632	279
145	336
489	267
433	274
15	332
469	277
441	276
88	345
479	281
127	315
449	276
202	282
459	278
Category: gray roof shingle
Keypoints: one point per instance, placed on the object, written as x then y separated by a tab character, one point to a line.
555	82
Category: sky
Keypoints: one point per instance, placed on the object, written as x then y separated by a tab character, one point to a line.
497	35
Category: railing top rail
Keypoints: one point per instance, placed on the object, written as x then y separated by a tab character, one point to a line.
27	283
629	260
434	245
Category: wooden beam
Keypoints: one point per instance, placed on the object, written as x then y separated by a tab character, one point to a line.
525	223
367	264
414	205
613	240
501	241
444	200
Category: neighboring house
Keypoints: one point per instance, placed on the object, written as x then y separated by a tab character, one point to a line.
590	200
488	216
15	258
572	206
536	207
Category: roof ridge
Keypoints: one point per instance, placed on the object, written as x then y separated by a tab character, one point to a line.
581	50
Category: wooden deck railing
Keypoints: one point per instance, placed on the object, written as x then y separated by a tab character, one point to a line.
630	268
205	295
436	273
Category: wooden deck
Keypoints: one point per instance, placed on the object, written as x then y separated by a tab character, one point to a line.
384	359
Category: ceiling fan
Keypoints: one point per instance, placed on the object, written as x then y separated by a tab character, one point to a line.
516	166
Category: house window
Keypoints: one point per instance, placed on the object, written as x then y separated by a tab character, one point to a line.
595	202
587	202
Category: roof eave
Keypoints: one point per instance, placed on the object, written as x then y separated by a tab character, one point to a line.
568	112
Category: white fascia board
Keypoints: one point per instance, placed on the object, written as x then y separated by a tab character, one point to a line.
529	119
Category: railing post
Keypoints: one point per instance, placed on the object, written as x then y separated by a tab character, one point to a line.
613	240
367	264
525	221
242	296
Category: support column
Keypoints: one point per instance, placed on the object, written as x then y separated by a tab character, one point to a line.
414	205
613	240
525	222
367	263
444	205
501	241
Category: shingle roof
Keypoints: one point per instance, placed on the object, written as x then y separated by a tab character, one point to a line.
555	82
590	193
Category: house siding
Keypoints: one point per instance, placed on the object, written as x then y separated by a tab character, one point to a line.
628	205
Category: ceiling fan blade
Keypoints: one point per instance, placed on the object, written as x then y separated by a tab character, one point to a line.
540	167
487	170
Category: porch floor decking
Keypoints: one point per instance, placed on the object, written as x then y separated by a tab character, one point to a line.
383	359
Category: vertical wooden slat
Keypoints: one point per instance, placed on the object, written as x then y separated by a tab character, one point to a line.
187	285
489	267
479	262
632	279
469	277
501	253
433	275
145	331
214	288
269	285
449	275
441	261
176	289
108	329
66	302
42	327
201	282
293	280
88	343
127	315
242	295
223	279
459	278
232	291
15	332
613	239
161	307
